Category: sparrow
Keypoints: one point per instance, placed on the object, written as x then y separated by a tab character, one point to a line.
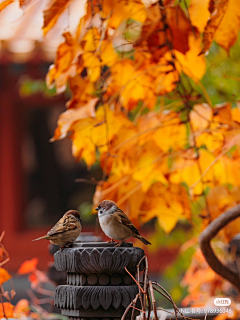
115	223
65	231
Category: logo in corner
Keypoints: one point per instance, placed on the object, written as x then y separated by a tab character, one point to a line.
222	302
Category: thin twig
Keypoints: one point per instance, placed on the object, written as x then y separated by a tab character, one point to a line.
165	296
2	235
145	277
128	308
133	307
4	314
153	300
134	280
140	295
149	305
86	181
5	261
169	298
45	292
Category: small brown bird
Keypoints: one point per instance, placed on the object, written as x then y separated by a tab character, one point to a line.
115	223
66	230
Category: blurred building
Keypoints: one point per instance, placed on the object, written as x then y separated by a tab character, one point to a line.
36	177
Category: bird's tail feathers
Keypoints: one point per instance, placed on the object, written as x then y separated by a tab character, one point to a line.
43	237
145	241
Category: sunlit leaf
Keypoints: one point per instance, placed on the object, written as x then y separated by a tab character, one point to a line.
221	199
70	116
218	10
65	65
53	12
226	34
28	266
4	276
201	116
199	13
191	63
6	309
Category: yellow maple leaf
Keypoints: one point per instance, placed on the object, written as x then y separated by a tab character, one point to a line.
172	135
93	64
211	140
167	77
67	118
123	10
151	166
217	10
65	64
227	32
199	13
82	144
129	82
83	91
236	114
227	171
201	116
97	133
90	40
190	171
108	54
52	13
167	204
191	63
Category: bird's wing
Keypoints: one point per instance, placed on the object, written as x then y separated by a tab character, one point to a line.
67	223
123	218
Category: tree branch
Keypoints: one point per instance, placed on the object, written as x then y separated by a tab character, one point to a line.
205	237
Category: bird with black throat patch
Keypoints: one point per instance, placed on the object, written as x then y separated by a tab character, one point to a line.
65	231
115	223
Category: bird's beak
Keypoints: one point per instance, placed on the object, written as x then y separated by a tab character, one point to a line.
96	209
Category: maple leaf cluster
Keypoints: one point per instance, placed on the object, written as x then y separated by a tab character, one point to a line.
204	286
155	160
122	61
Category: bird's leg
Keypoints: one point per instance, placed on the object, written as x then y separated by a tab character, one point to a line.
66	245
119	244
110	241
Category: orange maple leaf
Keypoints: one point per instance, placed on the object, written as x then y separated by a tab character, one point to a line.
4	276
28	266
6	310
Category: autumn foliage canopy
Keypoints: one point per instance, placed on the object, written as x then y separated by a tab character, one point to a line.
139	109
126	59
